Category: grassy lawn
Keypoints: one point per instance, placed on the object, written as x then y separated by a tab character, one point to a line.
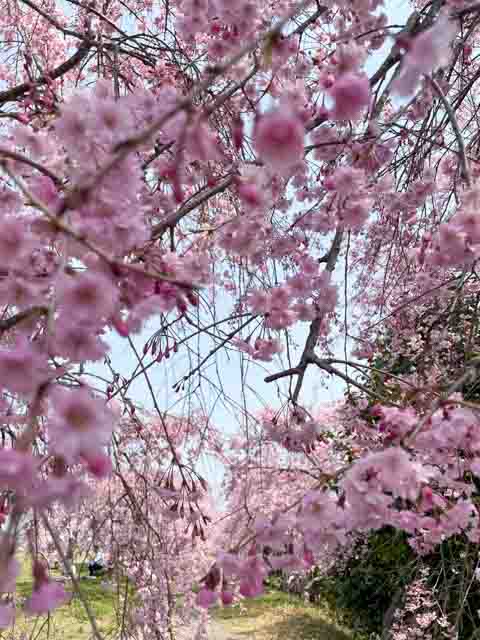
278	616
275	616
70	621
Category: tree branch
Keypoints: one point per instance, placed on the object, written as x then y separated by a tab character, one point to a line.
123	149
326	366
17	92
294	371
159	229
314	331
9	323
18	157
316	324
456	129
49	18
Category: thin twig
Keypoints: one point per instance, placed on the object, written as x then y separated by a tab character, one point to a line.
123	149
456	129
18	157
61	226
9	323
75	583
470	373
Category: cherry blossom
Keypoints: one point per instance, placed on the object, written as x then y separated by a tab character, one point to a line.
351	95
48	597
425	53
80	424
231	198
279	138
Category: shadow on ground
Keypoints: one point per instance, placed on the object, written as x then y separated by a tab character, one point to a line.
297	626
275	616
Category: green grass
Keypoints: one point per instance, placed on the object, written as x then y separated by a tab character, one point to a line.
274	616
70	621
278	616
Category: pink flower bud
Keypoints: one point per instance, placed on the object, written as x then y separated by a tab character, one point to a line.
227	598
327	81
237	133
250	194
121	327
99	466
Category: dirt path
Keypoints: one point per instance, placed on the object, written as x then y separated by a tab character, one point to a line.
217	631
275	616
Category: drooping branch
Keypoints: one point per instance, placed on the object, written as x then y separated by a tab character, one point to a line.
20	90
456	130
216	348
49	18
60	226
18	157
326	366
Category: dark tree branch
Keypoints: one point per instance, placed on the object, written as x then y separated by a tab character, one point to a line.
313	18
18	157
414	26
294	371
308	354
17	92
158	150
9	323
159	229
49	18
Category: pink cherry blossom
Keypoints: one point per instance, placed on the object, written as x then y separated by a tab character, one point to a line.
86	295
17	469
14	241
227	597
279	139
206	220
351	95
426	52
77	342
23	367
80	423
67	490
99	466
48	597
251	588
